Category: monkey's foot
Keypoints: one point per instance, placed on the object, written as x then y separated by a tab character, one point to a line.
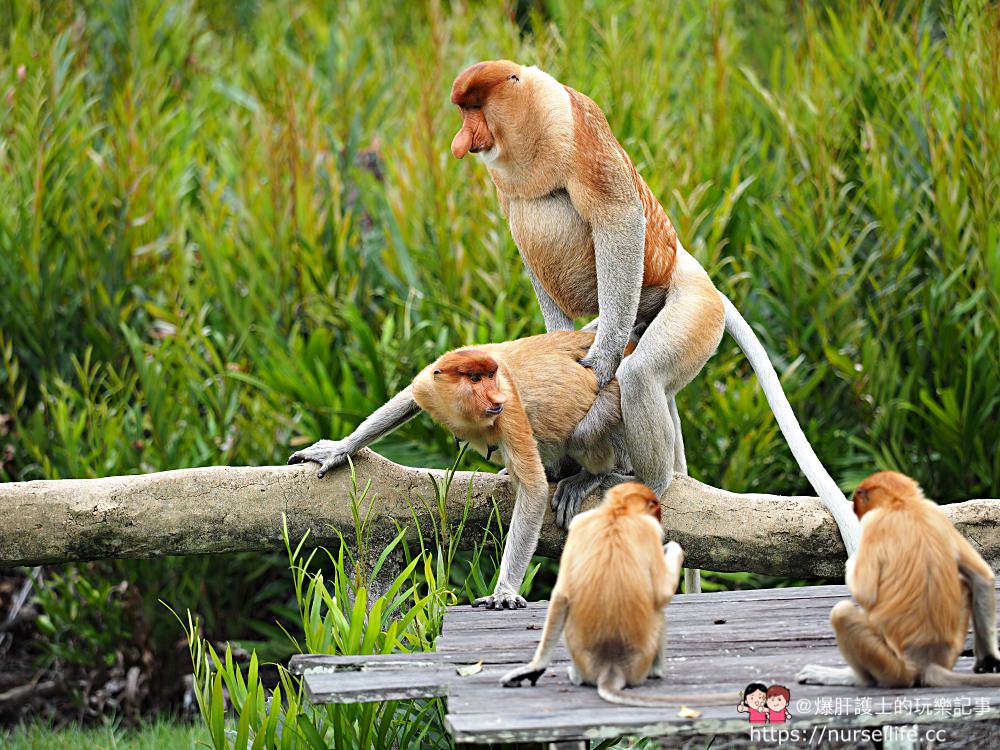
570	493
515	677
988	663
560	469
501	599
815	674
574	674
329	454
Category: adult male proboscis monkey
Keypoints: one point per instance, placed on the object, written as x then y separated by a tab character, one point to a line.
522	398
594	240
915	580
614	580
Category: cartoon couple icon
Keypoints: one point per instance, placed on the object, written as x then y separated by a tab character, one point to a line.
757	697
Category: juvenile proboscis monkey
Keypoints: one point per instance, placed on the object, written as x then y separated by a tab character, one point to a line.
522	398
594	240
615	578
915	580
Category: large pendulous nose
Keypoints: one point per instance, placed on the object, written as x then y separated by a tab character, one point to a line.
461	143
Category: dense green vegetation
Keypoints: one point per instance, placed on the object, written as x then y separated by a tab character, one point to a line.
228	229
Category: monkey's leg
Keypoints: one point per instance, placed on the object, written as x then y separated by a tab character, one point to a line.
671	352
573	673
978	576
570	492
561	469
604	415
555	620
656	669
330	454
867	653
525	525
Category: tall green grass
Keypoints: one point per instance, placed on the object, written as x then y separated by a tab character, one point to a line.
228	229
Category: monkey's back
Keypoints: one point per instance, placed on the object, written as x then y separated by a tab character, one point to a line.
555	390
921	603
613	618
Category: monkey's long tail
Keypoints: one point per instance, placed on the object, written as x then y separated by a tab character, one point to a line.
817	475
937	676
611	687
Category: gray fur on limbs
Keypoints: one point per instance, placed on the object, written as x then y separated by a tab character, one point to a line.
330	454
619	252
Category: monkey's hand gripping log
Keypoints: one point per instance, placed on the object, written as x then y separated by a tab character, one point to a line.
329	454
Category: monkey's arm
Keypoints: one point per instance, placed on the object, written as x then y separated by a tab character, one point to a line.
979	578
666	577
555	620
525	467
330	454
618	228
863	570
555	318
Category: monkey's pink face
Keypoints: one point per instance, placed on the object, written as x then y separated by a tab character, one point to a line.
470	378
473	91
480	395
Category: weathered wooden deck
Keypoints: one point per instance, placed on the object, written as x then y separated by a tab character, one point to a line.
717	643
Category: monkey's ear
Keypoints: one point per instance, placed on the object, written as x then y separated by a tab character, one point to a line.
513	77
862	495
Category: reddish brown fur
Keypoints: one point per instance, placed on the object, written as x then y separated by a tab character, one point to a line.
541	149
546	392
603	178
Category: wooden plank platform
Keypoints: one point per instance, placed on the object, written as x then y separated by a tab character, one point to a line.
717	643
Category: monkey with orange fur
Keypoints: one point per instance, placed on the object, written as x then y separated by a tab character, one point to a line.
595	241
522	398
916	581
614	580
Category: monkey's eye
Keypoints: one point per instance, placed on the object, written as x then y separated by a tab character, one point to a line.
437	372
475	378
473	106
491	375
513	78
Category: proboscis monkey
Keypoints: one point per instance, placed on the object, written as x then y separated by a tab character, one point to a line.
594	240
522	398
916	581
615	578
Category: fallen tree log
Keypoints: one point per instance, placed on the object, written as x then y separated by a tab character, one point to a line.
227	509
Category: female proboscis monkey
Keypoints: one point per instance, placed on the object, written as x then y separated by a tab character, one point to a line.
522	398
916	581
595	241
